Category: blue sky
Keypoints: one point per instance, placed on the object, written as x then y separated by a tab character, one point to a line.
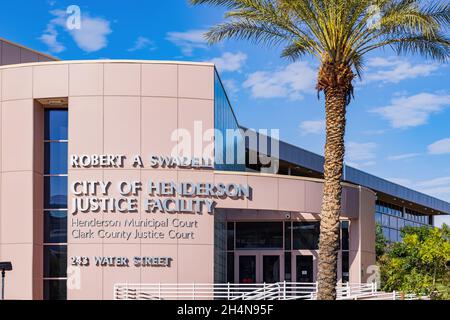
398	124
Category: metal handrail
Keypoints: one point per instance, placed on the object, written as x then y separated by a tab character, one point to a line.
232	291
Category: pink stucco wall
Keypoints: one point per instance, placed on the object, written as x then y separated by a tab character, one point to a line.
130	108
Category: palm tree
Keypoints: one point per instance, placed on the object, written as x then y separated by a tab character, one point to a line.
339	33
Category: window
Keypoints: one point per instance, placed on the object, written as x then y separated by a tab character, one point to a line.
55	226
378	217
394	218
385	220
386	233
56	124
55	203
306	235
56	158
345	266
230	236
55	289
393	235
287	266
230	267
393	222
224	119
259	235
55	191
55	261
287	235
345	235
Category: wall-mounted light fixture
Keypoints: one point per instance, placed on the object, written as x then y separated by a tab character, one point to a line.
4	266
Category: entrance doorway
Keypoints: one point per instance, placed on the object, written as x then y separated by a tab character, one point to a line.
259	267
270	267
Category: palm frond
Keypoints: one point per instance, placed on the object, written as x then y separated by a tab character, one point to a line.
337	31
295	50
245	29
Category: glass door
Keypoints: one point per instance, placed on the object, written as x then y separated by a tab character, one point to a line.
247	269
259	267
271	269
305	269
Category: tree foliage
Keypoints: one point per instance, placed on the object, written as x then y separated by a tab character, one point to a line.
340	32
380	242
418	263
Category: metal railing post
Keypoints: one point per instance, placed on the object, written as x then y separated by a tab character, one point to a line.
284	290
264	291
228	291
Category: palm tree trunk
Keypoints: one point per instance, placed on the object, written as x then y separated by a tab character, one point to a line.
335	107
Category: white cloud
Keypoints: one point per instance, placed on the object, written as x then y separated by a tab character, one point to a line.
50	38
93	33
394	70
289	82
440	220
440	147
188	40
437	182
230	61
312	127
142	43
91	37
403	156
360	155
231	87
413	111
437	187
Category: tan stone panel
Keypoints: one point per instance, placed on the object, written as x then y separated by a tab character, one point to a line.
313	197
50	81
122	129
122	79
17	83
160	274
265	193
196	82
85	283
159	121
291	194
19	281
196	118
196	264
160	80
120	275
86	125
16	220
17	140
86	79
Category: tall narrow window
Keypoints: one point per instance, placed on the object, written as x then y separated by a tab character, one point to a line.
55	204
345	247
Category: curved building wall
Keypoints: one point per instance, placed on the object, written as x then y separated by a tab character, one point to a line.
133	108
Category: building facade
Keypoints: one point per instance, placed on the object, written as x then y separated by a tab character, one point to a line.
103	182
